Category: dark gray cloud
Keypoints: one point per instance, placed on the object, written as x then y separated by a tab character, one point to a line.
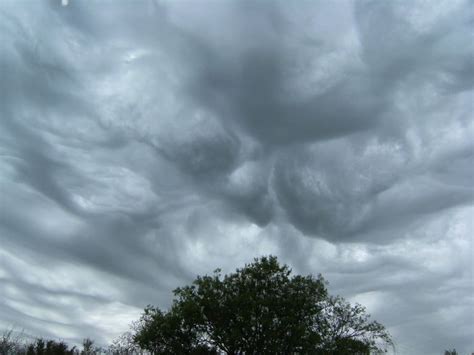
145	142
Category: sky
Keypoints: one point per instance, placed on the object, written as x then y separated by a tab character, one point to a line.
145	142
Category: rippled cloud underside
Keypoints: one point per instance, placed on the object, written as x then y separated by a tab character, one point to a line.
145	142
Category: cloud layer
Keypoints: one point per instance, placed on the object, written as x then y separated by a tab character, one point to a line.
145	142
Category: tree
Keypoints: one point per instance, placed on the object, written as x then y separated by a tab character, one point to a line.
49	347
15	343
125	344
9	343
451	352
261	308
88	347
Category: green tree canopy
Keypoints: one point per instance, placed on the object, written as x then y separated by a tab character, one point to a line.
259	309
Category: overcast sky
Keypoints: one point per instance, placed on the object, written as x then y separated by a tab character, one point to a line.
145	142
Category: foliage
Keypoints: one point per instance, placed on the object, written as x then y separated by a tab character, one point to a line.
125	344
88	347
263	309
49	347
16	343
9	343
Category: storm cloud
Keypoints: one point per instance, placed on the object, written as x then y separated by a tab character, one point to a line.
145	142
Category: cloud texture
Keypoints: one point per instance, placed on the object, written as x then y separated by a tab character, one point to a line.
144	142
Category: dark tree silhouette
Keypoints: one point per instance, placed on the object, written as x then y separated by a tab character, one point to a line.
88	347
49	347
9	343
259	309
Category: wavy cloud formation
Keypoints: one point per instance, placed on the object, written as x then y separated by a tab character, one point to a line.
145	142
